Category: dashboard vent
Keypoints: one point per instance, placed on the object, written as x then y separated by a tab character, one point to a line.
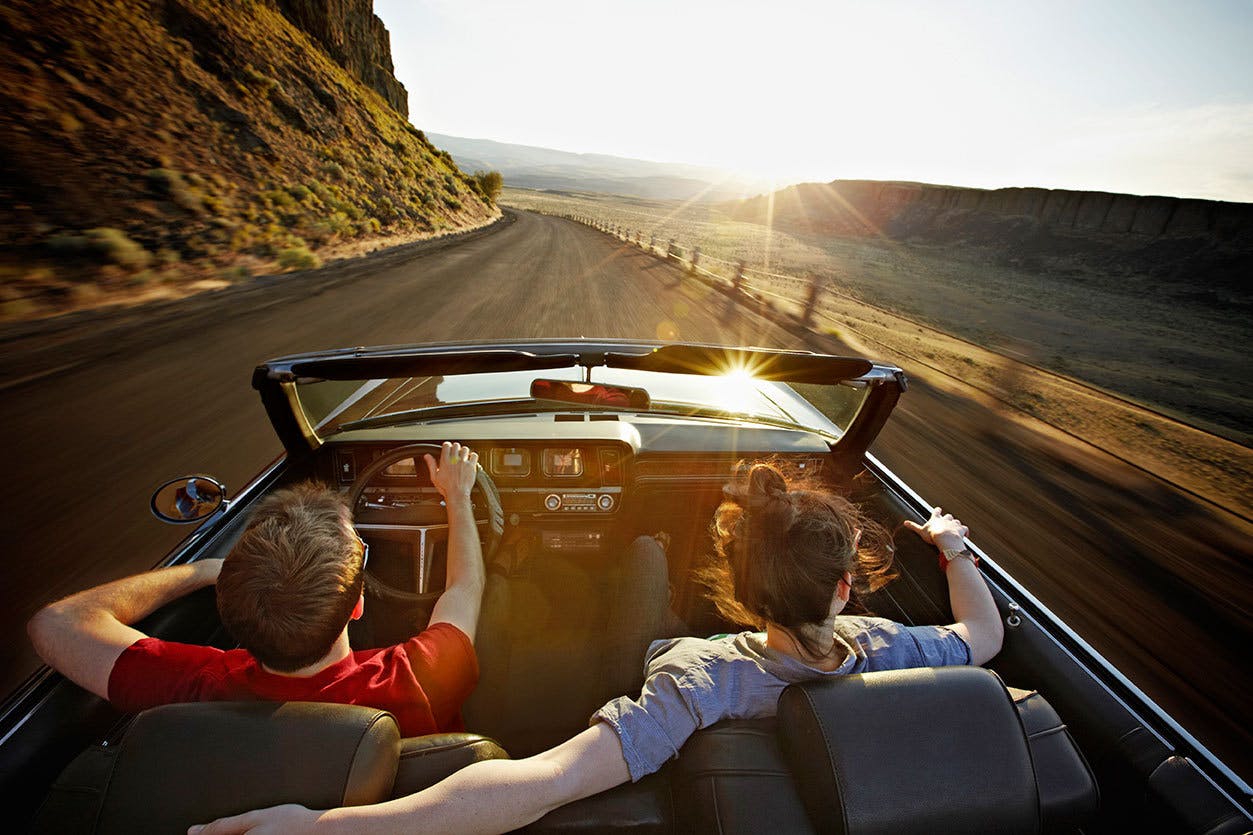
602	417
569	418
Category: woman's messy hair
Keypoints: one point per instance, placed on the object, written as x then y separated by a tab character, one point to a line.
780	550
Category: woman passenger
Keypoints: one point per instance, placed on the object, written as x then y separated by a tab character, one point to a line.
787	559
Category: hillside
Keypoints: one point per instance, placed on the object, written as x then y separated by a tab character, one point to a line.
1205	244
146	147
528	166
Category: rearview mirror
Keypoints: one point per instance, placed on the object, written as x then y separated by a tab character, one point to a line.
591	394
187	499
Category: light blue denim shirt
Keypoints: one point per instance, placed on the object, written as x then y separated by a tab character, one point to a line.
691	683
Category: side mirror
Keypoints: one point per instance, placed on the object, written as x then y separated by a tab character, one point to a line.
187	499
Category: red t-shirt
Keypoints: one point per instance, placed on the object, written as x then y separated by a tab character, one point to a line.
423	681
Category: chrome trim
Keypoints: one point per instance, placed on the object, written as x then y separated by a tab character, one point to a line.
426	549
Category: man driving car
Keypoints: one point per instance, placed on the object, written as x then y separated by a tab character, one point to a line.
286	592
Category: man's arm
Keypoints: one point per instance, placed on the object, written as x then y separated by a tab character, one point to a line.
486	797
82	635
978	620
454	478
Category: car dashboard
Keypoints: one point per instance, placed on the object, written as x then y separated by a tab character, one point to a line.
575	481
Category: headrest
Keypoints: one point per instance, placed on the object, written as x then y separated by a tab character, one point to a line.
923	750
190	763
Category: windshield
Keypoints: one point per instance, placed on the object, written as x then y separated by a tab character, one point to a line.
330	405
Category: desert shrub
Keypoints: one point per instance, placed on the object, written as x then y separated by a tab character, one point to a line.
298	258
259	79
143	277
452	203
18	308
332	153
300	192
276	198
171	184
235	273
417	134
113	245
333	169
67	244
82	295
384	208
489	183
216	205
336	224
373	170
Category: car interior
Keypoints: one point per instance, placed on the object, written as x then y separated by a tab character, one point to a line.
1036	742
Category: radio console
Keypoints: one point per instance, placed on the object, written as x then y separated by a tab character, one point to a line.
580	502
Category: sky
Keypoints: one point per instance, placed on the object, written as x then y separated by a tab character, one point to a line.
1143	97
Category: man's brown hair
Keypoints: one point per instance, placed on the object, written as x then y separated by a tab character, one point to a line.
290	584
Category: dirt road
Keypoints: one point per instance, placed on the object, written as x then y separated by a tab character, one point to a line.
146	395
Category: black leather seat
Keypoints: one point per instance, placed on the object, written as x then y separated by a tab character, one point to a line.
926	750
425	760
190	763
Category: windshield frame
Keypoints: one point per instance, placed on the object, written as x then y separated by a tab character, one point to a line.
279	381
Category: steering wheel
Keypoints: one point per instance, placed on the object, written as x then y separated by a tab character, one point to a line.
423	524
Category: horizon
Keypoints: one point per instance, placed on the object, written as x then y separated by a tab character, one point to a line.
1134	98
788	184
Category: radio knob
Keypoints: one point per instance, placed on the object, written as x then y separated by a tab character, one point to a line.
552	501
605	502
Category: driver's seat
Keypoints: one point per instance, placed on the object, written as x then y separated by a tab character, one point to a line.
182	764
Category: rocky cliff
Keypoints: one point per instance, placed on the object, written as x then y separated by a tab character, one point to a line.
156	143
355	38
1057	228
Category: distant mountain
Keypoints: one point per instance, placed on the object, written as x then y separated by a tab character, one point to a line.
1207	241
527	166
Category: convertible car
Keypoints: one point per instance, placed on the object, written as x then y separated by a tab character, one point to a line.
584	446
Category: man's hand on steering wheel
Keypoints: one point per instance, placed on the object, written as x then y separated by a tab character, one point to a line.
455	474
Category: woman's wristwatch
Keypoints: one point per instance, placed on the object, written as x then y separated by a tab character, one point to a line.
947	555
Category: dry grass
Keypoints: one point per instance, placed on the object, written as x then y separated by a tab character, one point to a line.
1011	315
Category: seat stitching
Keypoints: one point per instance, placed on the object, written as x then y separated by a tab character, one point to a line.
1056	729
438	750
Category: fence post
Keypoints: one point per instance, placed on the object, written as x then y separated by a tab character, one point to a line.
670	253
695	259
652	243
738	279
811	301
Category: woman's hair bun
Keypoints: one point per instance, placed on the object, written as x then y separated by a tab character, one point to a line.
760	489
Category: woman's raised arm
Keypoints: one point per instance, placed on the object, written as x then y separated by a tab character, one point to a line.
978	620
